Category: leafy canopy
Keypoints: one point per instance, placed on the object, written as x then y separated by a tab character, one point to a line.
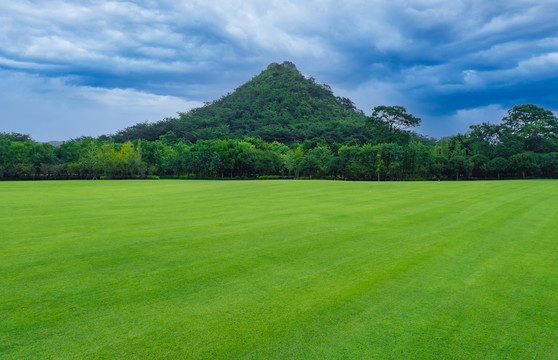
279	104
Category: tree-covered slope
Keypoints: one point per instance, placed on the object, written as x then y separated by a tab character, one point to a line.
278	104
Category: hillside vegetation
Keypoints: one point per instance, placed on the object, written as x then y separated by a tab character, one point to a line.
279	104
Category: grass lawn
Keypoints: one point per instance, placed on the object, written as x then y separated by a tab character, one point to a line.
278	270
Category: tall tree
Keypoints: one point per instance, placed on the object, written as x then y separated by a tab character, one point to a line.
524	162
521	116
394	120
498	165
458	165
534	126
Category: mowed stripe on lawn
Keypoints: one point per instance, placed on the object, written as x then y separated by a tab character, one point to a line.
278	269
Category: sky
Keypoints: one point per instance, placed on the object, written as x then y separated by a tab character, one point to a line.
87	68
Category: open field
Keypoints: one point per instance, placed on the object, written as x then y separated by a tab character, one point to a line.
278	270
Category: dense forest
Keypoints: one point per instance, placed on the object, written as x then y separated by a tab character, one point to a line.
279	104
282	124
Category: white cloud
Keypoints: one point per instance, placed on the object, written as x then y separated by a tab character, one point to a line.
406	52
51	47
27	65
461	120
371	94
535	68
51	109
198	31
491	113
539	65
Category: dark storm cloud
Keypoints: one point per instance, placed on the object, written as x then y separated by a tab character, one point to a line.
451	62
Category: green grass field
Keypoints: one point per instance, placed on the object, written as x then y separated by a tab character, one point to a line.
278	270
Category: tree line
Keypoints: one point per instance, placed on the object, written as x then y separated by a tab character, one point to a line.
524	144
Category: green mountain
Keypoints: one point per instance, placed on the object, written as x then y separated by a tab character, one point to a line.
278	104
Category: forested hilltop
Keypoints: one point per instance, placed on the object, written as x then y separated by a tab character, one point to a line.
281	124
280	104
